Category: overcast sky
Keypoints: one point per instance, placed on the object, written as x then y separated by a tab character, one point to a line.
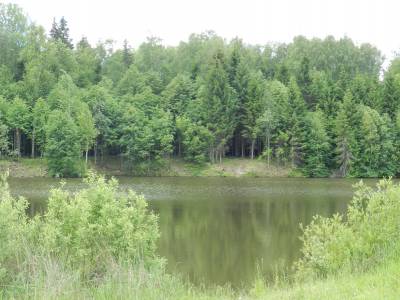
255	21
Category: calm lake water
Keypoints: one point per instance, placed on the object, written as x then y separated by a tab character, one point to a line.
221	230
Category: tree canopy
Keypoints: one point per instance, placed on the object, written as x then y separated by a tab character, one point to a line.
319	105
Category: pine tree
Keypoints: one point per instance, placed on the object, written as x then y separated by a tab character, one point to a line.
298	114
304	81
253	108
346	142
54	31
241	87
388	161
283	74
316	146
238	74
390	101
127	56
60	32
219	106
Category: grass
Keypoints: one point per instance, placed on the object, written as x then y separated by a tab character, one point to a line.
229	167
381	283
24	167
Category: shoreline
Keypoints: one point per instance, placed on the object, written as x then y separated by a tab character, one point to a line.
173	167
230	167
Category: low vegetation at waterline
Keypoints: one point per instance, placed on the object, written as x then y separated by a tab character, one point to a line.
100	243
173	167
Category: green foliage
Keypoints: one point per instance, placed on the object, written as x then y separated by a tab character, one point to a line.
298	115
316	147
241	100
84	236
18	114
347	145
132	82
376	158
102	108
391	95
253	106
178	94
218	105
97	225
195	140
13	25
88	64
40	116
60	32
146	132
65	95
86	127
4	144
14	230
359	242
18	118
63	146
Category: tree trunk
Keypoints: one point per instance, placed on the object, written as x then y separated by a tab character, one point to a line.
292	154
86	155
121	162
95	152
33	144
268	149
18	142
242	145
253	142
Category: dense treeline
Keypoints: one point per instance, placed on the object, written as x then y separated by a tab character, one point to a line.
317	105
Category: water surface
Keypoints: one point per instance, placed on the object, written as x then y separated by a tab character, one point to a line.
220	230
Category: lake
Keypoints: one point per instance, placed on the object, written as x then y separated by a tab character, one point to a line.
222	230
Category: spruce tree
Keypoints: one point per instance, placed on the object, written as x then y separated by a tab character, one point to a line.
316	146
60	32
390	101
219	106
304	81
127	56
298	114
346	143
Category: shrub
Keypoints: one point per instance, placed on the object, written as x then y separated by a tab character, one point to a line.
13	230
97	225
369	233
84	233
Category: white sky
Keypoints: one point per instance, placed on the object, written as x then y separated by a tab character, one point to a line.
255	21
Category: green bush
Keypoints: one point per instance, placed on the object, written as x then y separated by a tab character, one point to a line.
98	225
367	235
13	230
83	233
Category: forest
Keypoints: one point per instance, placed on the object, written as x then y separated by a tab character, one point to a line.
324	106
